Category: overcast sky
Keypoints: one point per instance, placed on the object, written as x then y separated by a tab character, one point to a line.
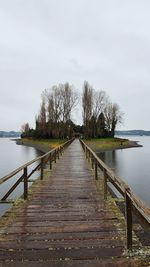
46	42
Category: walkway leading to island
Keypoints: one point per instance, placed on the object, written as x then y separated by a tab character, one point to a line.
65	222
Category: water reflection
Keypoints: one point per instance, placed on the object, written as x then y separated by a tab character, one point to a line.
133	166
108	157
13	156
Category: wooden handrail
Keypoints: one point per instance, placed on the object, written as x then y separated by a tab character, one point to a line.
50	156
133	203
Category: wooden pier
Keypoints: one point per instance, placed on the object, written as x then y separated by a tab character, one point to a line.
65	221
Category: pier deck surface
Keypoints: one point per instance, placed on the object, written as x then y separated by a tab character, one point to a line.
65	222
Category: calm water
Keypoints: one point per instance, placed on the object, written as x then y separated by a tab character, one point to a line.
133	166
13	156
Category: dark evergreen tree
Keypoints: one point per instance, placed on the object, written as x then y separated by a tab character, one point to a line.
101	126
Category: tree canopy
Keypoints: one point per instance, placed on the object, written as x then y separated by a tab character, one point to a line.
54	120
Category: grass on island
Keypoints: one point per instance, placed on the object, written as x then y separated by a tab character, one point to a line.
106	143
50	143
94	143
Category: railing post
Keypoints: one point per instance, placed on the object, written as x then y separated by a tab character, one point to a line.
86	152
50	161
42	163
92	162
61	150
55	156
128	221
96	178
58	152
83	146
105	184
25	177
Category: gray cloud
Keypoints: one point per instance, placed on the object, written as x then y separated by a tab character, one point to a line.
44	42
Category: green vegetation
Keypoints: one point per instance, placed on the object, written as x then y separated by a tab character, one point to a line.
47	143
107	143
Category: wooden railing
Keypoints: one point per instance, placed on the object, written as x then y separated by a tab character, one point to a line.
132	202
49	157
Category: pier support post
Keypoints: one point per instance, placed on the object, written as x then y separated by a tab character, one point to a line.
92	162
50	161
25	177
58	151
86	152
96	177
128	221
105	184
42	163
55	156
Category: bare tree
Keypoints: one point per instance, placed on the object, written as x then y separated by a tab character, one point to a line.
69	101
87	103
25	128
93	105
57	101
53	107
113	116
55	113
42	118
99	100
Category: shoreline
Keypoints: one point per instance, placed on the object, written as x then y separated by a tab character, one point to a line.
42	148
131	144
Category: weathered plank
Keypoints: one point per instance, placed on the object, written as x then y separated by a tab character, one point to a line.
77	263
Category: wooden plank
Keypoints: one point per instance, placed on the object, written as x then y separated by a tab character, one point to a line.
53	254
77	263
60	228
65	217
57	244
116	235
